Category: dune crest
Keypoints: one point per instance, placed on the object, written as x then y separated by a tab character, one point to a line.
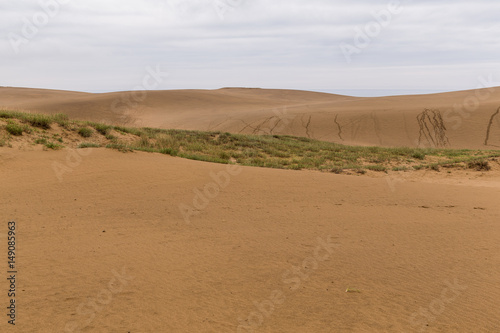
464	119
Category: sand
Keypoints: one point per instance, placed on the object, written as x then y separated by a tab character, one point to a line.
136	242
422	255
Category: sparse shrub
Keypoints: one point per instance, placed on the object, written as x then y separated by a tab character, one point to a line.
143	142
479	165
54	146
41	141
11	114
57	137
296	167
85	132
337	170
28	129
102	128
38	120
224	155
169	151
14	128
378	168
126	130
120	147
88	145
61	119
3	141
377	160
435	167
418	155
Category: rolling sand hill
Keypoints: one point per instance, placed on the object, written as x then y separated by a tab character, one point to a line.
144	242
466	119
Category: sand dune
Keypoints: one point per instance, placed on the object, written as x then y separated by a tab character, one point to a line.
136	242
465	119
106	249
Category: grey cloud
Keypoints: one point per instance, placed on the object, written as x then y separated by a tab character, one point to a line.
92	45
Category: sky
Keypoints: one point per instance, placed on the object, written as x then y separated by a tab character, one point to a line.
364	48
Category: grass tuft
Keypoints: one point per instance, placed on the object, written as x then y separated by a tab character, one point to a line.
102	128
54	146
38	120
85	132
88	145
479	165
378	168
337	170
61	119
419	155
14	128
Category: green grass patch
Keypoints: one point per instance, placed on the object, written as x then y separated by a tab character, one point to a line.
168	151
38	120
54	146
127	130
85	132
88	145
14	128
479	165
4	141
62	119
101	128
120	147
269	151
378	168
41	141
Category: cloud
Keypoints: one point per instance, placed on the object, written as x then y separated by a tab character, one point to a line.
92	45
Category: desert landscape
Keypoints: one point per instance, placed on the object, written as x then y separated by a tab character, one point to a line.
115	233
235	166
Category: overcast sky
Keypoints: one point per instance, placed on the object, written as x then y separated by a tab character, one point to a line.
330	45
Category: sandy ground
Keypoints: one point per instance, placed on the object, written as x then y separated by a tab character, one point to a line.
103	246
464	119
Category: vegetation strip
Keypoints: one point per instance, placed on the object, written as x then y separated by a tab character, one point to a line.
270	151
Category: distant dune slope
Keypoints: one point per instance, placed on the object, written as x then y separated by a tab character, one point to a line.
464	119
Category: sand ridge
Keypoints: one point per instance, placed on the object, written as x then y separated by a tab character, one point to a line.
465	119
